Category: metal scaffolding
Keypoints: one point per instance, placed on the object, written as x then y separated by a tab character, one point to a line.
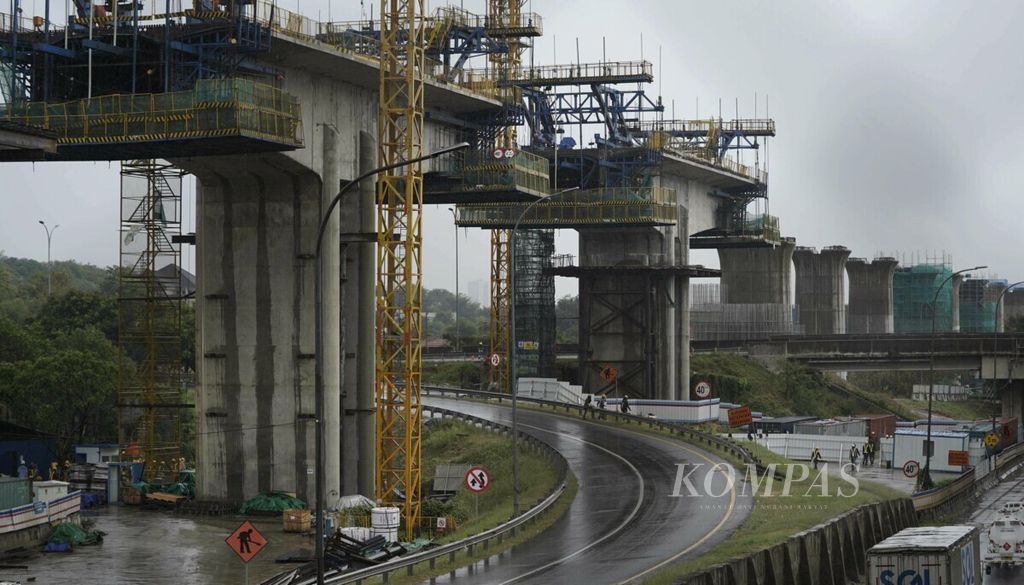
913	290
150	390
535	303
506	67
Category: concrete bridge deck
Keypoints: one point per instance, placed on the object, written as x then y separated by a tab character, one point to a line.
910	351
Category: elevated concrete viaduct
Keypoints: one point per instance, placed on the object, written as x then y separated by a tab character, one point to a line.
256	231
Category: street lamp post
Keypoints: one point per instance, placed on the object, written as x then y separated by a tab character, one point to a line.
512	345
49	268
458	330
318	332
926	482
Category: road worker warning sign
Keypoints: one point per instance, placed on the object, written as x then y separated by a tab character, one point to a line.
246	541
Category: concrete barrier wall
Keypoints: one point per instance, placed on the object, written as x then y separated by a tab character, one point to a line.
829	554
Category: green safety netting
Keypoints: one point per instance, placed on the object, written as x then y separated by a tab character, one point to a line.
271	502
68	533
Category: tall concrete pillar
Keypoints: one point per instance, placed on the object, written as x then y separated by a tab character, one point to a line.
757	275
256	226
994	296
1011	396
871	304
633	312
358	304
955	317
819	289
1013	304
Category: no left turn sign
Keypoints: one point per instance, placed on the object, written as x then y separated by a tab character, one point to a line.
495	359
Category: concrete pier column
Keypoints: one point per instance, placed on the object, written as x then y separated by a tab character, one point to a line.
757	275
819	289
633	316
356	214
958	280
871	304
994	295
256	226
331	270
1011	396
366	359
1013	304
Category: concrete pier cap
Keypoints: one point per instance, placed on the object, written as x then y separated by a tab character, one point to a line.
820	288
871	295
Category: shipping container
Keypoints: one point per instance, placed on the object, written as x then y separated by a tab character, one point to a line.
909	446
879	425
14	492
782	424
847	427
946	555
1008	431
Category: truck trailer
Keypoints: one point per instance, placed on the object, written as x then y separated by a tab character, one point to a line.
927	555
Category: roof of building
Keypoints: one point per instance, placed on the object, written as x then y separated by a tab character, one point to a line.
14	432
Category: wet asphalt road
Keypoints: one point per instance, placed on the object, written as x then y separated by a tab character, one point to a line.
158	548
986	512
624	522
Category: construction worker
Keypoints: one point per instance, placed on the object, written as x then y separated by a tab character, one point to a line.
53	471
868	453
588	405
854	455
602	403
815	457
624	405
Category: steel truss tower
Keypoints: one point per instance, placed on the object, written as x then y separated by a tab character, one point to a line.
507	66
150	390
399	270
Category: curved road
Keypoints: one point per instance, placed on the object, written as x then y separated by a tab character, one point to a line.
624	523
987	512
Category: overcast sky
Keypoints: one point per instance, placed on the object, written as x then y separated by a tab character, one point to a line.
895	124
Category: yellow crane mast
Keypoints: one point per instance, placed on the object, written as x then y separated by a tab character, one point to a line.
503	14
399	271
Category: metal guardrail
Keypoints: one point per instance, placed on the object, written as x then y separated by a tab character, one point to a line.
966	483
694	436
922	501
483	539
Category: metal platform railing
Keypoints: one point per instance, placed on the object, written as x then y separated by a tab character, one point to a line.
616	206
213	108
747	126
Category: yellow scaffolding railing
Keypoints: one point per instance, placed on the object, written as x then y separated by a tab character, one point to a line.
524	171
214	107
613	206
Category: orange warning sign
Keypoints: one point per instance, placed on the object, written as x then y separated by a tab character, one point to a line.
246	541
959	458
740	416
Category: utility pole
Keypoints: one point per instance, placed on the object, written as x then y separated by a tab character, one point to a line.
458	330
49	270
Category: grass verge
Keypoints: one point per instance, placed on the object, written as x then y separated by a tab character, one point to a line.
775	518
966	410
450	441
442	565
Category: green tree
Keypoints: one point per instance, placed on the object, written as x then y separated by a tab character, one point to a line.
70	393
78	310
567	319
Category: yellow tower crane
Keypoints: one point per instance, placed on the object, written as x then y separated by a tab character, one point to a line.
503	14
399	247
